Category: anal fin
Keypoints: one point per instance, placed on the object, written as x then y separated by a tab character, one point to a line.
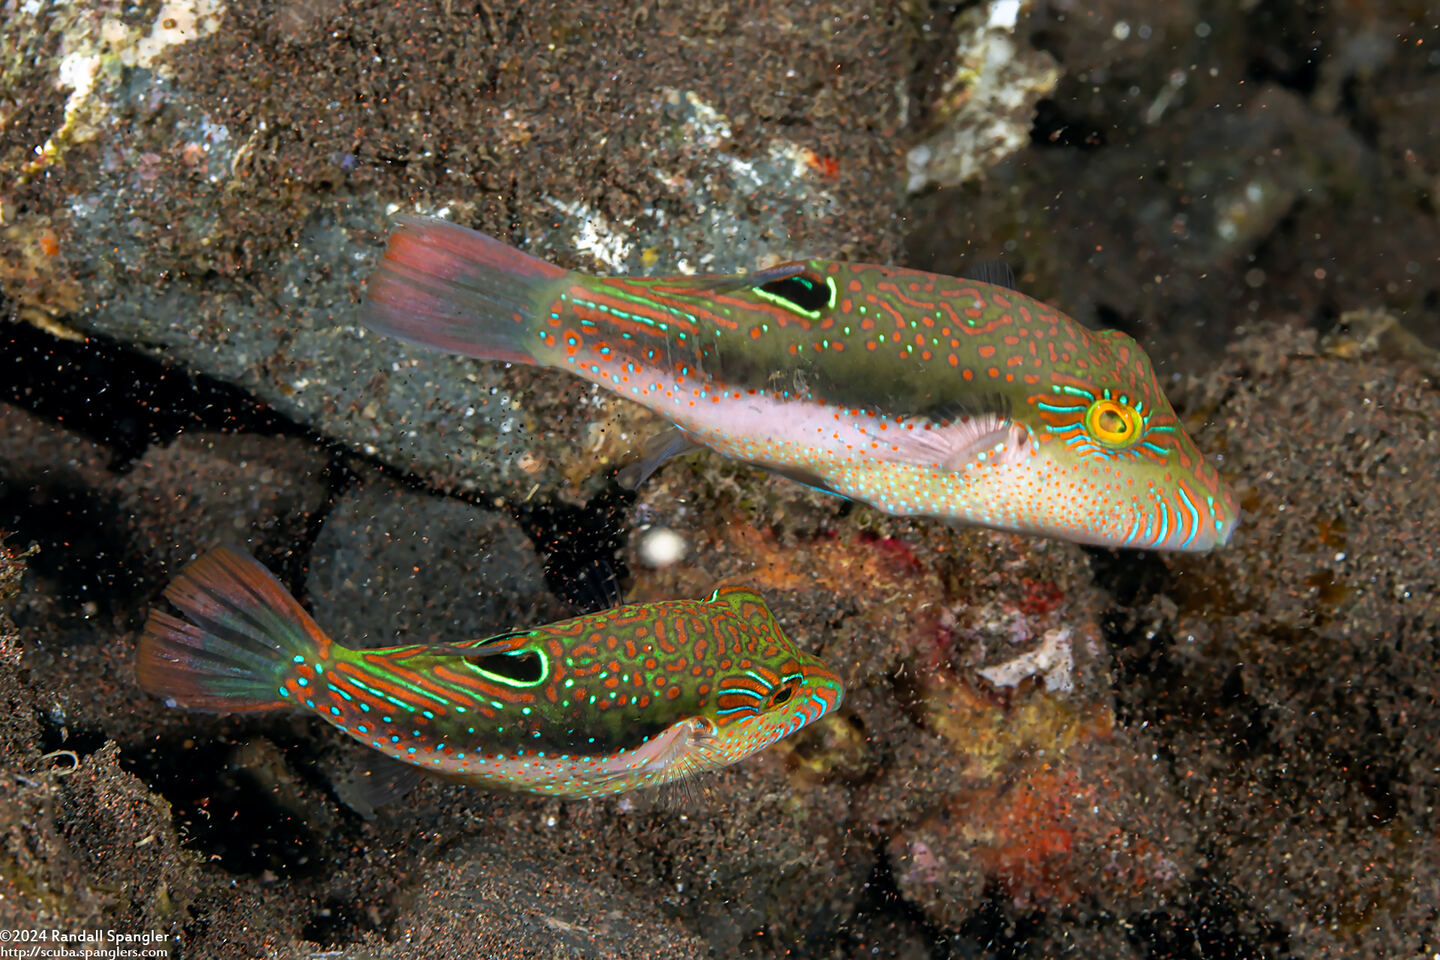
377	782
809	479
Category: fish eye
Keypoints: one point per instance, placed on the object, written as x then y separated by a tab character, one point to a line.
1113	423
806	293
781	695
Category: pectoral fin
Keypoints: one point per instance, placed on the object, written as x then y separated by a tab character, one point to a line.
986	441
665	445
672	753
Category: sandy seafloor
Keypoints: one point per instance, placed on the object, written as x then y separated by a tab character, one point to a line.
1231	755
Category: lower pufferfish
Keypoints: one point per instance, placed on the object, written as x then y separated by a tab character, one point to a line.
636	696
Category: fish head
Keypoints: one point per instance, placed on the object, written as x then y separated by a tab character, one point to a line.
771	689
1118	468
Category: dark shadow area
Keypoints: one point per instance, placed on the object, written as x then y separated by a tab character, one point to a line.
226	810
581	545
119	397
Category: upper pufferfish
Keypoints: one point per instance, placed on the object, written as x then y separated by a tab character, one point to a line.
916	393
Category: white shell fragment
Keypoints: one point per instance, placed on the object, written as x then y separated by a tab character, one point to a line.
662	547
1052	660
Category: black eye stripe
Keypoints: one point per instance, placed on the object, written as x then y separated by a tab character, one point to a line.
804	291
521	667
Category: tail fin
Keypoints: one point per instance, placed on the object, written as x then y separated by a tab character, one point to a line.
453	289
243	632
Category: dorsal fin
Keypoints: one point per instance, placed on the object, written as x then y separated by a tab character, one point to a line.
720	283
483	647
997	273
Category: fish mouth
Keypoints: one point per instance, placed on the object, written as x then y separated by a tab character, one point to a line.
1216	532
1194	531
1222	538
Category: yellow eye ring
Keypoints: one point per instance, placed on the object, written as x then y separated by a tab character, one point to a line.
1113	423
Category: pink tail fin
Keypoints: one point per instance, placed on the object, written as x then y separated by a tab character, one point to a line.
454	289
241	632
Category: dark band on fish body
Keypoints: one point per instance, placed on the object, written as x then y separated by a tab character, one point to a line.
783	362
996	405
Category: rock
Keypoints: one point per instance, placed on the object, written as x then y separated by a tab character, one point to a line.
262	494
57	492
1092	827
391	566
983	110
213	187
133	529
492	903
1239	177
1363	333
98	850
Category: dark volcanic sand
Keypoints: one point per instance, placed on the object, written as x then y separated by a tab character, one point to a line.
1222	756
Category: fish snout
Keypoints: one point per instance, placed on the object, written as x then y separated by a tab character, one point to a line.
1224	516
826	688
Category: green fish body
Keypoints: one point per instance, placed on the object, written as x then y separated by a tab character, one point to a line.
636	696
916	393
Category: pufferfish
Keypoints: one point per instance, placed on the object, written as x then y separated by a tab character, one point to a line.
636	696
916	393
